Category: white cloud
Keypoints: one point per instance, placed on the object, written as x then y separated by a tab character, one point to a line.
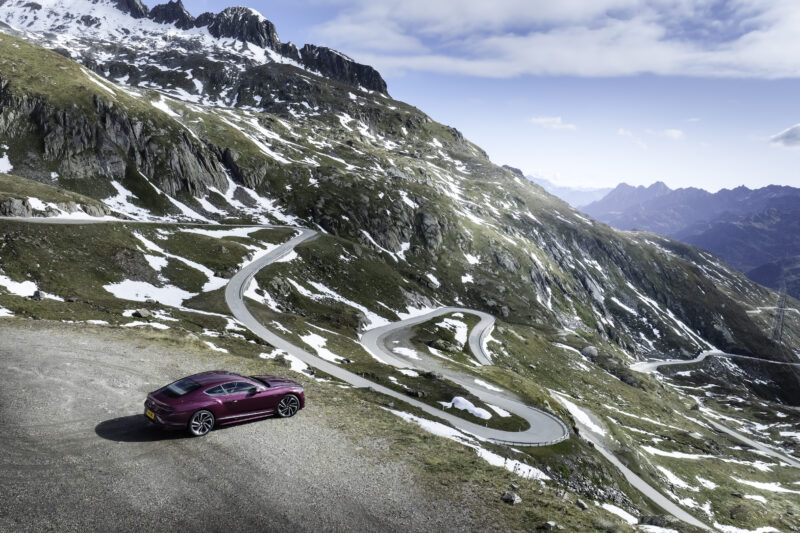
789	137
506	38
622	132
552	123
672	134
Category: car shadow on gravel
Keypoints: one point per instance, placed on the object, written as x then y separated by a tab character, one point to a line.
135	428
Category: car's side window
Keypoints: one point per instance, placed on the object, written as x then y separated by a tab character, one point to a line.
216	391
229	388
243	386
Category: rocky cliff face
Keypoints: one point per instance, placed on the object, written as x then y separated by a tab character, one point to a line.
104	141
339	67
242	24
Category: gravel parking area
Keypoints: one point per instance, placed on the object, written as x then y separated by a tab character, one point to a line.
77	455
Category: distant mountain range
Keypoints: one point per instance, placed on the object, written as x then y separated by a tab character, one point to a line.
756	231
574	196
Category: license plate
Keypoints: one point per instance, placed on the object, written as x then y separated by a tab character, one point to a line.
150	414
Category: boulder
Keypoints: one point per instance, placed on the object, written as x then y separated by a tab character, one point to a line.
142	313
667	522
94	210
581	504
15	207
511	498
590	352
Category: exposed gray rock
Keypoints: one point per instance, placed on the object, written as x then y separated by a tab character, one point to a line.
660	521
133	7
428	229
505	260
142	313
511	498
581	504
590	352
172	13
94	210
339	67
243	24
134	266
15	207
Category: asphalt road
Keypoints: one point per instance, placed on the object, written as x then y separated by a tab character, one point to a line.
637	482
543	427
76	453
653	366
648	367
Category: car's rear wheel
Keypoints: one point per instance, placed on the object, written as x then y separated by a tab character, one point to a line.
288	406
201	423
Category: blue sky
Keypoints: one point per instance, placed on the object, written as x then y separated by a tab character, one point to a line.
585	92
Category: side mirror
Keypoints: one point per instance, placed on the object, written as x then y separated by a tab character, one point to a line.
251	391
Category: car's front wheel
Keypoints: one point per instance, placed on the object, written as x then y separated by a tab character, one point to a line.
201	423
288	406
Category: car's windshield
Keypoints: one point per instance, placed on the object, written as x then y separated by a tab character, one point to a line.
259	381
181	387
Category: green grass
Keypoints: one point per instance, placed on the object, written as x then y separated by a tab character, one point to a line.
18	187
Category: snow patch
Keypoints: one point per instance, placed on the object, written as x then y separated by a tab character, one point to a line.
408	352
517	467
487	385
465	405
318	342
622	513
140	291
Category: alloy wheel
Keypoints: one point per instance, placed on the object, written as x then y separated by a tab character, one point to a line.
201	423
288	406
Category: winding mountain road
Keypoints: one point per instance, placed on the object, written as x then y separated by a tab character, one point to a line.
544	428
648	367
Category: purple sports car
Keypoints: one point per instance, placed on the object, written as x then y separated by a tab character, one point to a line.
200	401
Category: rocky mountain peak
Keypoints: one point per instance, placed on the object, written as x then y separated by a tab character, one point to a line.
132	7
105	34
241	23
339	67
173	13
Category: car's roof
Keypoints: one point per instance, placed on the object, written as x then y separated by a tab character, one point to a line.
213	377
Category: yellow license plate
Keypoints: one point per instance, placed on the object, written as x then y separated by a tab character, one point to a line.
150	414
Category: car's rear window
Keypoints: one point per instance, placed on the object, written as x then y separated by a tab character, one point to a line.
260	381
181	387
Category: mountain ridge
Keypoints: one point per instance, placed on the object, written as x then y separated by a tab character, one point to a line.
240	23
752	229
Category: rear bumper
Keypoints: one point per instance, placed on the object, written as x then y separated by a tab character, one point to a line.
169	421
164	422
